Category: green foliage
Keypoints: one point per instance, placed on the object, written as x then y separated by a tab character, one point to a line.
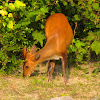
86	71
79	47
38	36
19	23
22	23
94	38
87	32
97	69
95	6
96	47
77	17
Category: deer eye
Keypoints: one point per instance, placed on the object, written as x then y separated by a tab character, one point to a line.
27	67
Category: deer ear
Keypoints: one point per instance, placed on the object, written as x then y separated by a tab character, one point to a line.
24	50
37	56
34	58
33	49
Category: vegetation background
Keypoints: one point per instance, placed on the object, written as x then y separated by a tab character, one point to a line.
22	23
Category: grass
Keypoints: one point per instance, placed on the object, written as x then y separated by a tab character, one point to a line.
80	86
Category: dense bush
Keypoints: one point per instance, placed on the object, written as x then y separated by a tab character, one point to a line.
22	23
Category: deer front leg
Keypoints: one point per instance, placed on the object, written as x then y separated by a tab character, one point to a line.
51	65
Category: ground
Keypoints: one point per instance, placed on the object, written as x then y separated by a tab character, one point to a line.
80	86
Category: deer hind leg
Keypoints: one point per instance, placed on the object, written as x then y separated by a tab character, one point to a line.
51	65
64	65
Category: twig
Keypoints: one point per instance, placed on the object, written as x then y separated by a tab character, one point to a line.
75	28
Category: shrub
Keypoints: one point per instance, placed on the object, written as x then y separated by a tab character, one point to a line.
22	23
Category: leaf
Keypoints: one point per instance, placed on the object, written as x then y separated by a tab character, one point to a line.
90	36
38	17
10	25
38	36
30	14
19	4
3	12
11	6
65	3
79	57
24	22
73	10
77	17
90	1
89	8
80	2
79	44
96	47
95	6
10	15
4	24
42	26
44	9
1	7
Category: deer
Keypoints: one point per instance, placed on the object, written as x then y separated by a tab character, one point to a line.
59	36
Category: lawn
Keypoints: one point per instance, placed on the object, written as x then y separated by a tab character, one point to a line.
80	86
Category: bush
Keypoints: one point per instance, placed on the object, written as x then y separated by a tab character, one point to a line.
22	23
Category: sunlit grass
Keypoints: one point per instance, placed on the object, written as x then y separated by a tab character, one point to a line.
80	86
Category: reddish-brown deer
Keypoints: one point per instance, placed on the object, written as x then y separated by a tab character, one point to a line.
59	36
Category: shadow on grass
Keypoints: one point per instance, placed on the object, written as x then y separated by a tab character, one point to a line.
57	70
